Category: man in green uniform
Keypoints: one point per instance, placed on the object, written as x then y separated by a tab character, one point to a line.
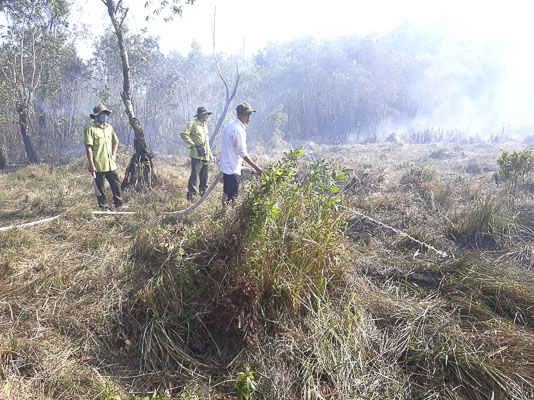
101	144
196	136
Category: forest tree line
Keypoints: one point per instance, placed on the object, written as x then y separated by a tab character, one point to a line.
328	90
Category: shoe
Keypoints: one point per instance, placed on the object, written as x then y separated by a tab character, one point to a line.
190	197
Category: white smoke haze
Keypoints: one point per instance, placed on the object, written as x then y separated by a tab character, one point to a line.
479	86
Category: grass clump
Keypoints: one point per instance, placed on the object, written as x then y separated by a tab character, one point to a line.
486	291
418	177
487	226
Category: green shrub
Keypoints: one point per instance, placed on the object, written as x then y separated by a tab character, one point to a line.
296	231
246	385
515	168
281	243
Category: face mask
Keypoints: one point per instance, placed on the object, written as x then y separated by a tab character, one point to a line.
102	117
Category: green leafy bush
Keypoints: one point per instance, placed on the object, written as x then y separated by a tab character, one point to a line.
281	243
515	168
296	231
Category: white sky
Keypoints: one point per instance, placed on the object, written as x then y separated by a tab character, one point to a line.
252	24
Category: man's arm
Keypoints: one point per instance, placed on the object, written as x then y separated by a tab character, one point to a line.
241	147
258	170
89	154
186	135
115	144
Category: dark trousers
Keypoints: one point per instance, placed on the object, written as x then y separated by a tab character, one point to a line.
199	169
231	185
113	179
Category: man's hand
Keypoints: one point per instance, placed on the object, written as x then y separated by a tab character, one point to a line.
258	170
92	168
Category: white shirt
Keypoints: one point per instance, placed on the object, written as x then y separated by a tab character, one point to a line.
233	147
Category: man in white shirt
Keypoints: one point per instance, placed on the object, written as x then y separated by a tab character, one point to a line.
234	150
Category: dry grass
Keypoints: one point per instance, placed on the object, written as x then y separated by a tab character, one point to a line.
318	304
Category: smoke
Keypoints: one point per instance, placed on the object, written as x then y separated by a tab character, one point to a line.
469	83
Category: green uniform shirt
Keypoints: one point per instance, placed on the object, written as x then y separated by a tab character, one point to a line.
102	140
196	134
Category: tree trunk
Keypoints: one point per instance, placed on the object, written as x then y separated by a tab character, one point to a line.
3	159
22	109
223	115
141	165
229	98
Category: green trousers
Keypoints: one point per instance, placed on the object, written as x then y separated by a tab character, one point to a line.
114	184
199	169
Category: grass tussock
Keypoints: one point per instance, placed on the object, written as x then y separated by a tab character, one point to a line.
488	225
488	292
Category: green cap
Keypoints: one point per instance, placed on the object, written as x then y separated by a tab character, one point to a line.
244	108
99	109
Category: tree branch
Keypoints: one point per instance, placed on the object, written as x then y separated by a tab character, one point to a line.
215	55
124	16
117	7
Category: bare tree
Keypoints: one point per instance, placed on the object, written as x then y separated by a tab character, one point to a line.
141	166
229	96
24	50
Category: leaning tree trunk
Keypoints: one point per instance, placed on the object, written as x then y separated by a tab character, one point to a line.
141	166
22	110
229	98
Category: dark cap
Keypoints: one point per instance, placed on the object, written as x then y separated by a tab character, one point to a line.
202	111
99	109
244	108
